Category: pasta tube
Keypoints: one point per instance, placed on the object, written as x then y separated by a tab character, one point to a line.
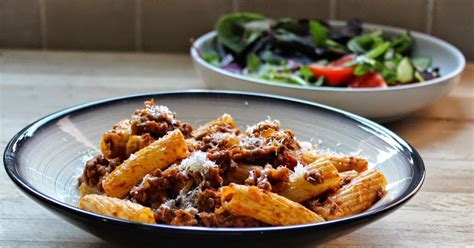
114	207
342	162
311	180
114	141
224	120
355	197
137	142
157	155
238	174
346	177
265	206
347	163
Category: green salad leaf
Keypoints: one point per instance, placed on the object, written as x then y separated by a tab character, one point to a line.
269	57
388	73
212	57
258	25
362	43
232	31
334	46
319	82
378	50
402	42
363	68
253	63
291	25
284	77
319	33
306	73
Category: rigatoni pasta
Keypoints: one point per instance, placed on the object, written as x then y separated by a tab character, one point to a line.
311	180
355	197
157	155
154	168
114	207
265	206
347	163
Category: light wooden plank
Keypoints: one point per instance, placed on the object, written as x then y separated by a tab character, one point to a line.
438	138
449	176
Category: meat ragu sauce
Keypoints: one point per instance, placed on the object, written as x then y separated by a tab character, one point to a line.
187	192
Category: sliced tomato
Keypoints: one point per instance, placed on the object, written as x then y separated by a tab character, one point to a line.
369	80
343	60
335	72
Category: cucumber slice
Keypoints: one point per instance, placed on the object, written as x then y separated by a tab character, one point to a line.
405	71
419	77
421	63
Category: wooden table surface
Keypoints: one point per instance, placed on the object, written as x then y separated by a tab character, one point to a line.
35	83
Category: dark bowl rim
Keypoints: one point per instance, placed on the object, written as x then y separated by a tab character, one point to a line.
24	134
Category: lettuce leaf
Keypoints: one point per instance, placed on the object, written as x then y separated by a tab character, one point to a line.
231	31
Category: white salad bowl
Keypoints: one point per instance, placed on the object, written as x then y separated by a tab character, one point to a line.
380	104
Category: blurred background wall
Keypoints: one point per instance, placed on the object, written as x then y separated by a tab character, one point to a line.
168	25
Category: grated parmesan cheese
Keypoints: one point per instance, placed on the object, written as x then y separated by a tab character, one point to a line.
305	145
268	121
196	163
299	171
161	110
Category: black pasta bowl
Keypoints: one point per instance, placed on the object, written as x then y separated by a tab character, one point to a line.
45	159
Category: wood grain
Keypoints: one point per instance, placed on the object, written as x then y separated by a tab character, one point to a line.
33	84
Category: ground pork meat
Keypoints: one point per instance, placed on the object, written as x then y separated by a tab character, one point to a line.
176	217
169	214
218	141
183	218
314	176
208	200
226	219
192	184
286	158
157	120
114	141
223	124
180	217
146	125
269	179
258	155
277	149
95	169
264	128
158	187
212	140
164	214
314	203
151	192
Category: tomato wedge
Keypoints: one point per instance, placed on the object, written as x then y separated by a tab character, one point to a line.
335	72
343	60
369	80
